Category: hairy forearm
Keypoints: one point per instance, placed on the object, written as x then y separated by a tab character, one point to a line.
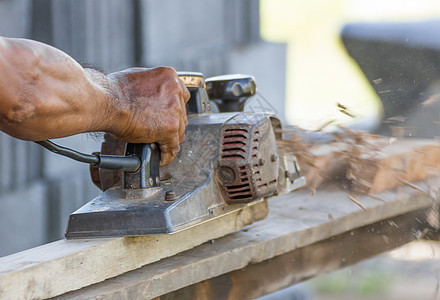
45	94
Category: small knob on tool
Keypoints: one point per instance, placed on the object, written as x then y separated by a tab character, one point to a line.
230	92
198	103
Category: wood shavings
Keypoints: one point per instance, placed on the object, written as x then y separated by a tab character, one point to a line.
344	109
411	185
355	201
344	150
377	198
326	124
363	163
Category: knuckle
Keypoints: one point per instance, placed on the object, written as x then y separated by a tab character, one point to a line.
167	71
170	151
174	105
179	111
172	125
175	150
181	131
172	86
186	95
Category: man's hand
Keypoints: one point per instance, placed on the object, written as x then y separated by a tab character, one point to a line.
46	94
152	105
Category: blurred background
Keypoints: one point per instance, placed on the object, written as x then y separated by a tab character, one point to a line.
303	71
322	37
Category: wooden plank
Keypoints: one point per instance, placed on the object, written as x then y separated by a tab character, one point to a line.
295	220
256	280
66	265
404	160
372	165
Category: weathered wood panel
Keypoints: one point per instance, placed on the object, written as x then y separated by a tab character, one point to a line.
259	279
404	160
295	221
62	266
372	164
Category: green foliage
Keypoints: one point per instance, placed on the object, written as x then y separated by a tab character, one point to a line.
371	282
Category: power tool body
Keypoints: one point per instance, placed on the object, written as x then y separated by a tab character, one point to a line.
229	161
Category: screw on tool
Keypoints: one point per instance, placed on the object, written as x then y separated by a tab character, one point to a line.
170	195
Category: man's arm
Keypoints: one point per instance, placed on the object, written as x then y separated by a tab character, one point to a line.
44	94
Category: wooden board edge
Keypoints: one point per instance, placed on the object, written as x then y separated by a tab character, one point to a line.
112	258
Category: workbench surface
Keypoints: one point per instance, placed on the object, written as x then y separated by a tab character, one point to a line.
304	235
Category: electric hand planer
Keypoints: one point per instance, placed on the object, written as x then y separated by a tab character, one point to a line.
228	162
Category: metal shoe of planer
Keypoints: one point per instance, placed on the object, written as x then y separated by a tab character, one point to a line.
228	161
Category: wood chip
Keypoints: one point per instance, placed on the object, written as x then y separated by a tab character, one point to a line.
355	201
